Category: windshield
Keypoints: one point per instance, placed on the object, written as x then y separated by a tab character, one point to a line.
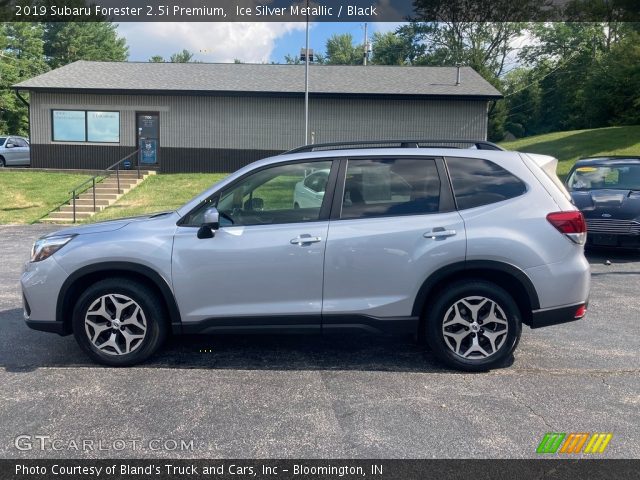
623	177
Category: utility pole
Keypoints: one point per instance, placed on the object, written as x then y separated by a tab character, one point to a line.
306	84
366	45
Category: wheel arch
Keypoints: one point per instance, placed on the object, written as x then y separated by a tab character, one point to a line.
509	277
79	280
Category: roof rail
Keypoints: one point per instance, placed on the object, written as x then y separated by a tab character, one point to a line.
433	143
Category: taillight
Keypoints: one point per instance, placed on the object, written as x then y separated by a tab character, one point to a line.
571	224
580	312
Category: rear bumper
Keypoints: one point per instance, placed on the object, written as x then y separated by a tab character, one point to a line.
556	316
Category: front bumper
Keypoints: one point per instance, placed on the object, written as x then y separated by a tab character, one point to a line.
557	315
41	282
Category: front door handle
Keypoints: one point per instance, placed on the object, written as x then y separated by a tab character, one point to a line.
439	232
304	240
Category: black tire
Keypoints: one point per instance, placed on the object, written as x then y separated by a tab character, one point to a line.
443	310
295	205
150	307
2	163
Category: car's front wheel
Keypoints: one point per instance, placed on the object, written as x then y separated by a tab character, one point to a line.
473	325
119	322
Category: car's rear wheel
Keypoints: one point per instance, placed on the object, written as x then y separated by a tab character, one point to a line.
473	325
118	322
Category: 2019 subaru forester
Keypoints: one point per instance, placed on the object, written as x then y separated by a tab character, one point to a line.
459	246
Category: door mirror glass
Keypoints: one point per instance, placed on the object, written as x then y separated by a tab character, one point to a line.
9	145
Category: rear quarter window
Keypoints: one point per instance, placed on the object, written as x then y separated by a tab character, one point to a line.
477	182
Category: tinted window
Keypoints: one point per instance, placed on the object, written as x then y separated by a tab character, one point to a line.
18	142
480	182
86	126
103	127
69	126
384	187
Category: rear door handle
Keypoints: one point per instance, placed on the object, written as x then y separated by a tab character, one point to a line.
305	239
439	232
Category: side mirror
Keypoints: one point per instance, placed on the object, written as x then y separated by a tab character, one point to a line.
211	222
9	145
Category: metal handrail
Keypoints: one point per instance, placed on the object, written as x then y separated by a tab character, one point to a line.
76	191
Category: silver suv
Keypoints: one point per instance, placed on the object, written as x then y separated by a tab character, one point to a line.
457	245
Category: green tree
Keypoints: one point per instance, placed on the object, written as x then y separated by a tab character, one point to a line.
341	50
72	41
185	56
157	59
21	57
390	49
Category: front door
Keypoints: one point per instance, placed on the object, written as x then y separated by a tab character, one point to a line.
148	135
18	153
264	265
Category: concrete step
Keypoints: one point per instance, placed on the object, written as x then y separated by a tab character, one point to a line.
66	217
107	189
82	208
99	201
123	181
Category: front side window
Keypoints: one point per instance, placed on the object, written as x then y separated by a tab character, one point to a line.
19	142
86	126
388	187
479	182
270	196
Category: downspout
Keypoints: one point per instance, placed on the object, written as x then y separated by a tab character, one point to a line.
22	99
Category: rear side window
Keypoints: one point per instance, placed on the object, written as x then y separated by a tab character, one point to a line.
479	182
389	187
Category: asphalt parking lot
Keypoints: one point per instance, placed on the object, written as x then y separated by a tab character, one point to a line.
313	397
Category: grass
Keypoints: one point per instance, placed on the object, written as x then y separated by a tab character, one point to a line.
569	146
26	196
159	193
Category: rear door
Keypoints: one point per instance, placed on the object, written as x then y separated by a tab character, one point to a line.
393	223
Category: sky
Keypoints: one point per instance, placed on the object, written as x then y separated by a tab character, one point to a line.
223	42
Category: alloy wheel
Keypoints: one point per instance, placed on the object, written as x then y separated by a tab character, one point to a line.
115	324
475	327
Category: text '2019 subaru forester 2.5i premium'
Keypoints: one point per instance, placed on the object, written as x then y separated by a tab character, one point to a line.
460	246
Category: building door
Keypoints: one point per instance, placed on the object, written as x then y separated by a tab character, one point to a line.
148	137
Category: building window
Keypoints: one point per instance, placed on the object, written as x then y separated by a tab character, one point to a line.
86	126
69	126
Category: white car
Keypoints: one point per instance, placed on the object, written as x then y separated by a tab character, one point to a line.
14	151
310	191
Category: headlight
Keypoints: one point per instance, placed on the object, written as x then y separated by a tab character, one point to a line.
45	247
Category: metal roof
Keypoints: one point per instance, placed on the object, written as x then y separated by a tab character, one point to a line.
232	78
